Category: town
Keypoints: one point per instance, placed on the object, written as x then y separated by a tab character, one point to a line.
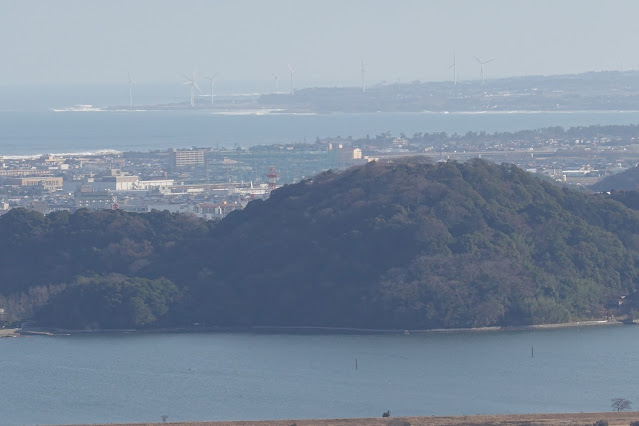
212	182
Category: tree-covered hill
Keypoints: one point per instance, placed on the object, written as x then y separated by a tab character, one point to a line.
411	244
403	244
627	180
42	256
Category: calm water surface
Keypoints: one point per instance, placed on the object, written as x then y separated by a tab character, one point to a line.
41	132
211	376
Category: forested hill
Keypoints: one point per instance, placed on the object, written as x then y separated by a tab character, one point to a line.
85	268
413	245
405	244
625	181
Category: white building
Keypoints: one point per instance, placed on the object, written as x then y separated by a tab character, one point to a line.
156	183
116	183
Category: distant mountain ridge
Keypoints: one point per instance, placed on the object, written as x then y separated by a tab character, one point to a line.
602	90
605	90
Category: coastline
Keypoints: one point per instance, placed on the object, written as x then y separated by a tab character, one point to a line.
9	332
46	331
278	110
567	419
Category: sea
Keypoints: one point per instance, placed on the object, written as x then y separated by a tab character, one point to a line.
68	120
138	377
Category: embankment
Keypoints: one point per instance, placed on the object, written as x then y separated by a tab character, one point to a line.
561	419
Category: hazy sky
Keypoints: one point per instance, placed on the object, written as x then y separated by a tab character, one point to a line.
93	42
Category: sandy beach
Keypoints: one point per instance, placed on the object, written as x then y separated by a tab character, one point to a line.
8	332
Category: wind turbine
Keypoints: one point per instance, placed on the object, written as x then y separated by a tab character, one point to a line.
454	67
191	82
481	67
131	83
292	71
277	77
363	77
212	80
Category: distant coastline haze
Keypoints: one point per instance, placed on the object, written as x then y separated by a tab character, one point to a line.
72	42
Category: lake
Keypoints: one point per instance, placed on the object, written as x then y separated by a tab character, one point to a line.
233	376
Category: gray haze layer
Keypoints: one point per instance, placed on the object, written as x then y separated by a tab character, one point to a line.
99	42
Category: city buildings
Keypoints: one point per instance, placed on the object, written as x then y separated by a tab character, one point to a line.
212	183
185	157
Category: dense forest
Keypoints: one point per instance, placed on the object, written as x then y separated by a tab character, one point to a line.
613	135
624	181
405	244
64	259
617	135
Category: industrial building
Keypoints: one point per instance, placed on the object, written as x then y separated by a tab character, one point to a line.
49	183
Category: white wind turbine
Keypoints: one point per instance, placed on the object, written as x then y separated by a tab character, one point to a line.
481	67
212	80
292	71
277	77
193	84
454	67
131	84
364	77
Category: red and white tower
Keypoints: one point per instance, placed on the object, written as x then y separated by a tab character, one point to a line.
272	178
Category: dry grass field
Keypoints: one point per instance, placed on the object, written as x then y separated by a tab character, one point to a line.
565	419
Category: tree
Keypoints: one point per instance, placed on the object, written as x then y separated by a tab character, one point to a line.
620	404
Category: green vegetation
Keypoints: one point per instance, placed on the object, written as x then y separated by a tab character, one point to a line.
111	302
45	259
416	245
616	135
626	181
405	244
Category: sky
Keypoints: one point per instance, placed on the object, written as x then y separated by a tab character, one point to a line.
89	42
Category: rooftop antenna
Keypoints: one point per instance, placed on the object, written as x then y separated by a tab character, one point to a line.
454	67
292	71
481	67
193	84
212	80
131	83
363	77
276	78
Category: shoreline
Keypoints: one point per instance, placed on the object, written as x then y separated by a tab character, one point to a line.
47	331
9	332
568	419
293	111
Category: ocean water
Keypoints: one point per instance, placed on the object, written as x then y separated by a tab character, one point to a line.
45	131
29	124
242	376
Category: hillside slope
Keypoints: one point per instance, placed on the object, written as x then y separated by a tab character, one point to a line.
627	180
411	245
